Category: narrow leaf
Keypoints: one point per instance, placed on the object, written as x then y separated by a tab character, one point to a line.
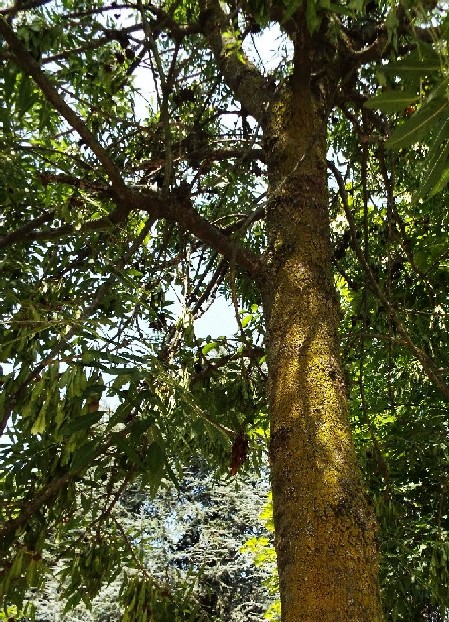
125	446
81	423
209	346
436	160
419	62
433	172
392	101
84	455
442	182
418	125
26	96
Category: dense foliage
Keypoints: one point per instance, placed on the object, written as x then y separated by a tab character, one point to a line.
133	193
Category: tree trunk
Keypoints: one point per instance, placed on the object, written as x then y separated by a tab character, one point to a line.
325	531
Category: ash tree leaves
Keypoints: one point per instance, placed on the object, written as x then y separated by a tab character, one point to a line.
421	94
393	101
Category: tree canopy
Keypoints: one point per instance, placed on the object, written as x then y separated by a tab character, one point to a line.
152	159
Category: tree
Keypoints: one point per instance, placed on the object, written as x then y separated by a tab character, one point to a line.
106	208
192	545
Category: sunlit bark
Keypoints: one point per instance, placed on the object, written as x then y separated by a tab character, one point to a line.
325	532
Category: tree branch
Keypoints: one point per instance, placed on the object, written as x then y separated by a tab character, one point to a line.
26	234
176	208
379	44
19	234
22	6
180	211
253	90
109	35
29	509
28	64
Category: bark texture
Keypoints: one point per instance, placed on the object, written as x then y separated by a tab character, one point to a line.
325	531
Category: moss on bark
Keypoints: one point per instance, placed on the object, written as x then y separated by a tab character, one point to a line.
325	531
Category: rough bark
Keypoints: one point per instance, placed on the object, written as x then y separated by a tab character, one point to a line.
325	531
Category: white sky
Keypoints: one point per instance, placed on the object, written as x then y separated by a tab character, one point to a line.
219	319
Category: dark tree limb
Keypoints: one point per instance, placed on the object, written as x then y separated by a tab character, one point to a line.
25	5
175	209
180	211
30	508
20	234
378	44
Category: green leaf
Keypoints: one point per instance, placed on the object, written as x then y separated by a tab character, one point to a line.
420	62
155	460
421	260
246	320
392	23
189	335
10	76
155	456
443	179
126	446
84	455
313	17
392	101
26	95
419	125
213	345
435	164
291	7
81	423
89	356
117	371
39	424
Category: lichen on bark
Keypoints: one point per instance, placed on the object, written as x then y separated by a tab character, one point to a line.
325	531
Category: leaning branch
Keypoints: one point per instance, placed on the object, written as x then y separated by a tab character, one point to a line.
176	209
27	229
380	43
22	6
27	234
253	90
29	65
29	509
180	211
